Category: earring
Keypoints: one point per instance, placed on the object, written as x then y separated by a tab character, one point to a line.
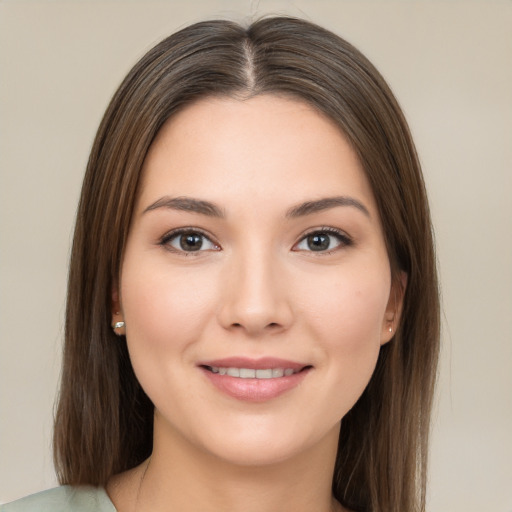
118	325
390	329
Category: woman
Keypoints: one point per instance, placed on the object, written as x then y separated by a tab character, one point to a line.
253	316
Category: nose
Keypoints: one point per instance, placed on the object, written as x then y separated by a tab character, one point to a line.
255	297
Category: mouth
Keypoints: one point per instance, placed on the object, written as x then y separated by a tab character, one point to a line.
254	373
254	380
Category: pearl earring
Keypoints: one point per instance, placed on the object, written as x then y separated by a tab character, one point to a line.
118	325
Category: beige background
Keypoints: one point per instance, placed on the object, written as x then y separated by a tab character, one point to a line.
450	64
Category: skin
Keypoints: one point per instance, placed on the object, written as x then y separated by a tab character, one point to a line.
254	289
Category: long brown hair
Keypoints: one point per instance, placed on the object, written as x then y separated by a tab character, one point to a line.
104	419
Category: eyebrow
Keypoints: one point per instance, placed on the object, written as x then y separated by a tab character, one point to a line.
326	203
190	204
187	204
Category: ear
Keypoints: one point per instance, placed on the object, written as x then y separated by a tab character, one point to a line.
394	308
117	312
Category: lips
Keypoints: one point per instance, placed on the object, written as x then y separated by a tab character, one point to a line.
254	380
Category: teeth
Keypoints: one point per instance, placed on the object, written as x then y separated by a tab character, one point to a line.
234	372
263	374
250	373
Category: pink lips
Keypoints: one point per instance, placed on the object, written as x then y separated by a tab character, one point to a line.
254	389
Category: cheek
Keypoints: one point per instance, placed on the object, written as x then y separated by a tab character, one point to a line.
165	311
345	314
349	307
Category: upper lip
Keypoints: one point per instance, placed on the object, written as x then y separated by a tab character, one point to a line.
254	364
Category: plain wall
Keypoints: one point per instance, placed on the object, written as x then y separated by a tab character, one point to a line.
450	65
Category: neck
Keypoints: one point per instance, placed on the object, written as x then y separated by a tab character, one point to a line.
183	477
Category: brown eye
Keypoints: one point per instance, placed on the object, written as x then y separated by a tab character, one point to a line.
188	241
323	241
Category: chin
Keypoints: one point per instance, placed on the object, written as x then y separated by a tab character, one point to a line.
253	454
265	445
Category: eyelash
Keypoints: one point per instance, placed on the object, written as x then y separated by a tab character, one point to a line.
167	238
343	239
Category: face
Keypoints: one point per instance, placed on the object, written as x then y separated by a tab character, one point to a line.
255	286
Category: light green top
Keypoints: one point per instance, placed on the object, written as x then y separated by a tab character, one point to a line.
63	499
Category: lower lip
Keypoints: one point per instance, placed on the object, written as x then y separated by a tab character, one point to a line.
255	390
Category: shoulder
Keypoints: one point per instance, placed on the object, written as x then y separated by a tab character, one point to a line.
63	499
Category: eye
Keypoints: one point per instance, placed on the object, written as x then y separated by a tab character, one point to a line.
323	240
188	241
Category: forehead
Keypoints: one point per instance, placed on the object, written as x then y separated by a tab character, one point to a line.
264	148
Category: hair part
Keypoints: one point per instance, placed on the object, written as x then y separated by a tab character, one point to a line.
104	420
